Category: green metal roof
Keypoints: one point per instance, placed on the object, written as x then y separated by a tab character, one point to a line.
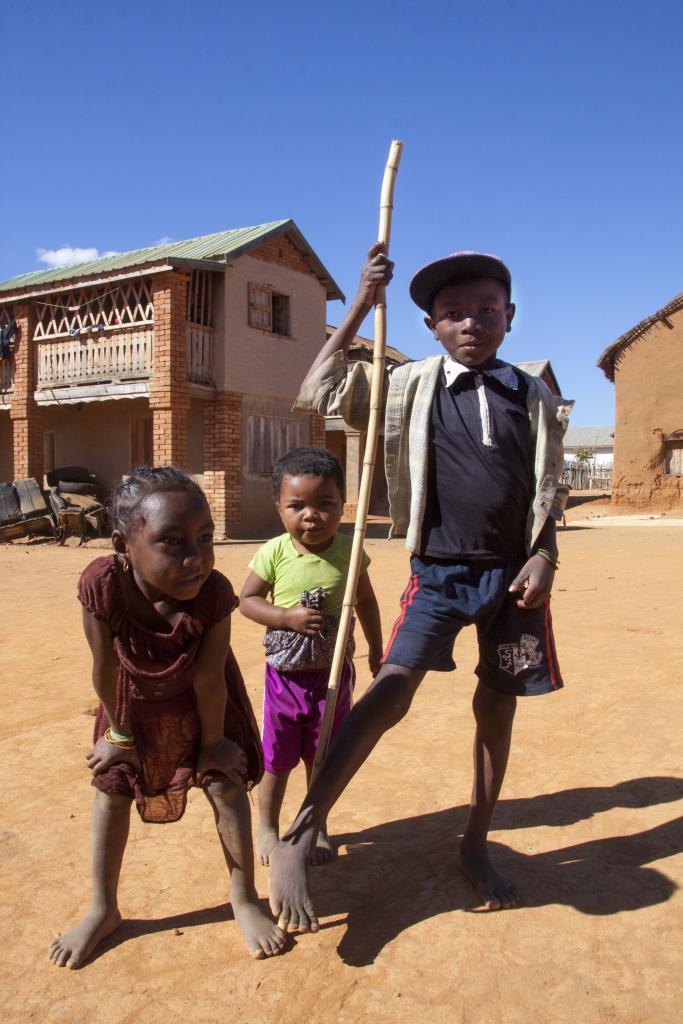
217	247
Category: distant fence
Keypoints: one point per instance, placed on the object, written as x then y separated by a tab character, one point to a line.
582	476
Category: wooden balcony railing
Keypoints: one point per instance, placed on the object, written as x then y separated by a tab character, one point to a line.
120	356
96	359
200	354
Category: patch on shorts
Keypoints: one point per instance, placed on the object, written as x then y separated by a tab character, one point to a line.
517	657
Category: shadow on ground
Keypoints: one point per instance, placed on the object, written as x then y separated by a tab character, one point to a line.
399	873
402	872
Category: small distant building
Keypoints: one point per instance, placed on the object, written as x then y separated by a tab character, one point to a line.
189	353
646	366
599	440
542	368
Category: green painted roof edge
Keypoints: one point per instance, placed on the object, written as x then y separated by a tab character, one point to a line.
221	244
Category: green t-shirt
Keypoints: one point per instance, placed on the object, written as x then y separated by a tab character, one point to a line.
289	572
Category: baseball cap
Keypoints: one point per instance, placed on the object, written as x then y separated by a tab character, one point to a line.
427	281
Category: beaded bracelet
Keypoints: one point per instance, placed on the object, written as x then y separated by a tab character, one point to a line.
544	553
125	742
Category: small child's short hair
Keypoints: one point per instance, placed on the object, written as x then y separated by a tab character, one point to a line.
309	461
143	481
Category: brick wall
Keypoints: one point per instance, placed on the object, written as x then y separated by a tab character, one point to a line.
169	388
318	430
26	417
281	251
223	461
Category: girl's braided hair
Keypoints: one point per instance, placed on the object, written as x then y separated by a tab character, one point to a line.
129	495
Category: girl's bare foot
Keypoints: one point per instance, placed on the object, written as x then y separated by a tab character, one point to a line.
323	851
262	936
495	891
73	948
266	841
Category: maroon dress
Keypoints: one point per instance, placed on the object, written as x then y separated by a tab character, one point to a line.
154	690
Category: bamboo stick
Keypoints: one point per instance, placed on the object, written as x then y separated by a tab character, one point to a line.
376	387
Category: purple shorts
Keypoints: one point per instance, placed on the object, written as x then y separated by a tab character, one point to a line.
293	710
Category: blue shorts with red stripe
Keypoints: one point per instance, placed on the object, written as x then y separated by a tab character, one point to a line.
516	645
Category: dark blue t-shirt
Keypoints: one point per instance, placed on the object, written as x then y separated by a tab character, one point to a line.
478	493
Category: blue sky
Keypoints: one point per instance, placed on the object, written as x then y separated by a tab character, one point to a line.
547	133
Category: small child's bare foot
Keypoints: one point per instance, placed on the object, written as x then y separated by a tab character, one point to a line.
72	949
495	891
262	936
266	841
324	851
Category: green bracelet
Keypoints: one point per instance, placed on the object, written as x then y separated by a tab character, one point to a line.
544	553
118	737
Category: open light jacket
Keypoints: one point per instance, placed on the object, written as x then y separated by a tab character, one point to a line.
338	388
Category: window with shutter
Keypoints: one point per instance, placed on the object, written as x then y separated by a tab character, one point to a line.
269	310
268	438
673	457
260	307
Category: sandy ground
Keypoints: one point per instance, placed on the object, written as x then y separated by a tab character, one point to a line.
589	824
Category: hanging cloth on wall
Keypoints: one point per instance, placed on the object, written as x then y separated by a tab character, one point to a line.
6	334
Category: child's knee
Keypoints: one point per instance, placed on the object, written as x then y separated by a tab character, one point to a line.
113	803
393	691
222	790
493	705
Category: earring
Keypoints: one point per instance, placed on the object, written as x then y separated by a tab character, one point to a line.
126	563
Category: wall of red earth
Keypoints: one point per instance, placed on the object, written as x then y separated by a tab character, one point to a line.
649	404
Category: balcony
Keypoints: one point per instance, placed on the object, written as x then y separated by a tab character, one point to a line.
103	359
116	364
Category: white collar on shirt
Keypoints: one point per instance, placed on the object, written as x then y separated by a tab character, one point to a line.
453	369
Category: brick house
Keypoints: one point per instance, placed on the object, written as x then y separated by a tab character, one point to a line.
188	353
646	366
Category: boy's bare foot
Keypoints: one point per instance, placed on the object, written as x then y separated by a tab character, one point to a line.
266	841
72	949
262	936
324	851
495	891
290	899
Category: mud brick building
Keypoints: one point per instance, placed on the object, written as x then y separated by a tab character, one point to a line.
646	366
188	353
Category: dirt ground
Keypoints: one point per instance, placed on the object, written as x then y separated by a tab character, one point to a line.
589	823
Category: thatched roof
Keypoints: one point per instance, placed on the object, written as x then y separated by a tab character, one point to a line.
610	358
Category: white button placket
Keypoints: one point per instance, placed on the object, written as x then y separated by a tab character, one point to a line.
484	412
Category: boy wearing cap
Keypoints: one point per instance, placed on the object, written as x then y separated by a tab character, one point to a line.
473	456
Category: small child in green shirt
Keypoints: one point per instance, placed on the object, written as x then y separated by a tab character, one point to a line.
304	572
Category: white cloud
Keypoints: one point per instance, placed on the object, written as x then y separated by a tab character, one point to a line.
68	255
166	240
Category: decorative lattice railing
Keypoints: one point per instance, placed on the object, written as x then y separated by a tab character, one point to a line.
86	311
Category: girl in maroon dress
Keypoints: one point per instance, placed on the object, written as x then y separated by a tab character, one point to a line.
174	711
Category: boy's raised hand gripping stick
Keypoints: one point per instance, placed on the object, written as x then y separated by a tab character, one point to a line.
385	211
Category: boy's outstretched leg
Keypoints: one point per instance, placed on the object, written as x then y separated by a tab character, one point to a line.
110	825
382	706
494	713
233	821
323	850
